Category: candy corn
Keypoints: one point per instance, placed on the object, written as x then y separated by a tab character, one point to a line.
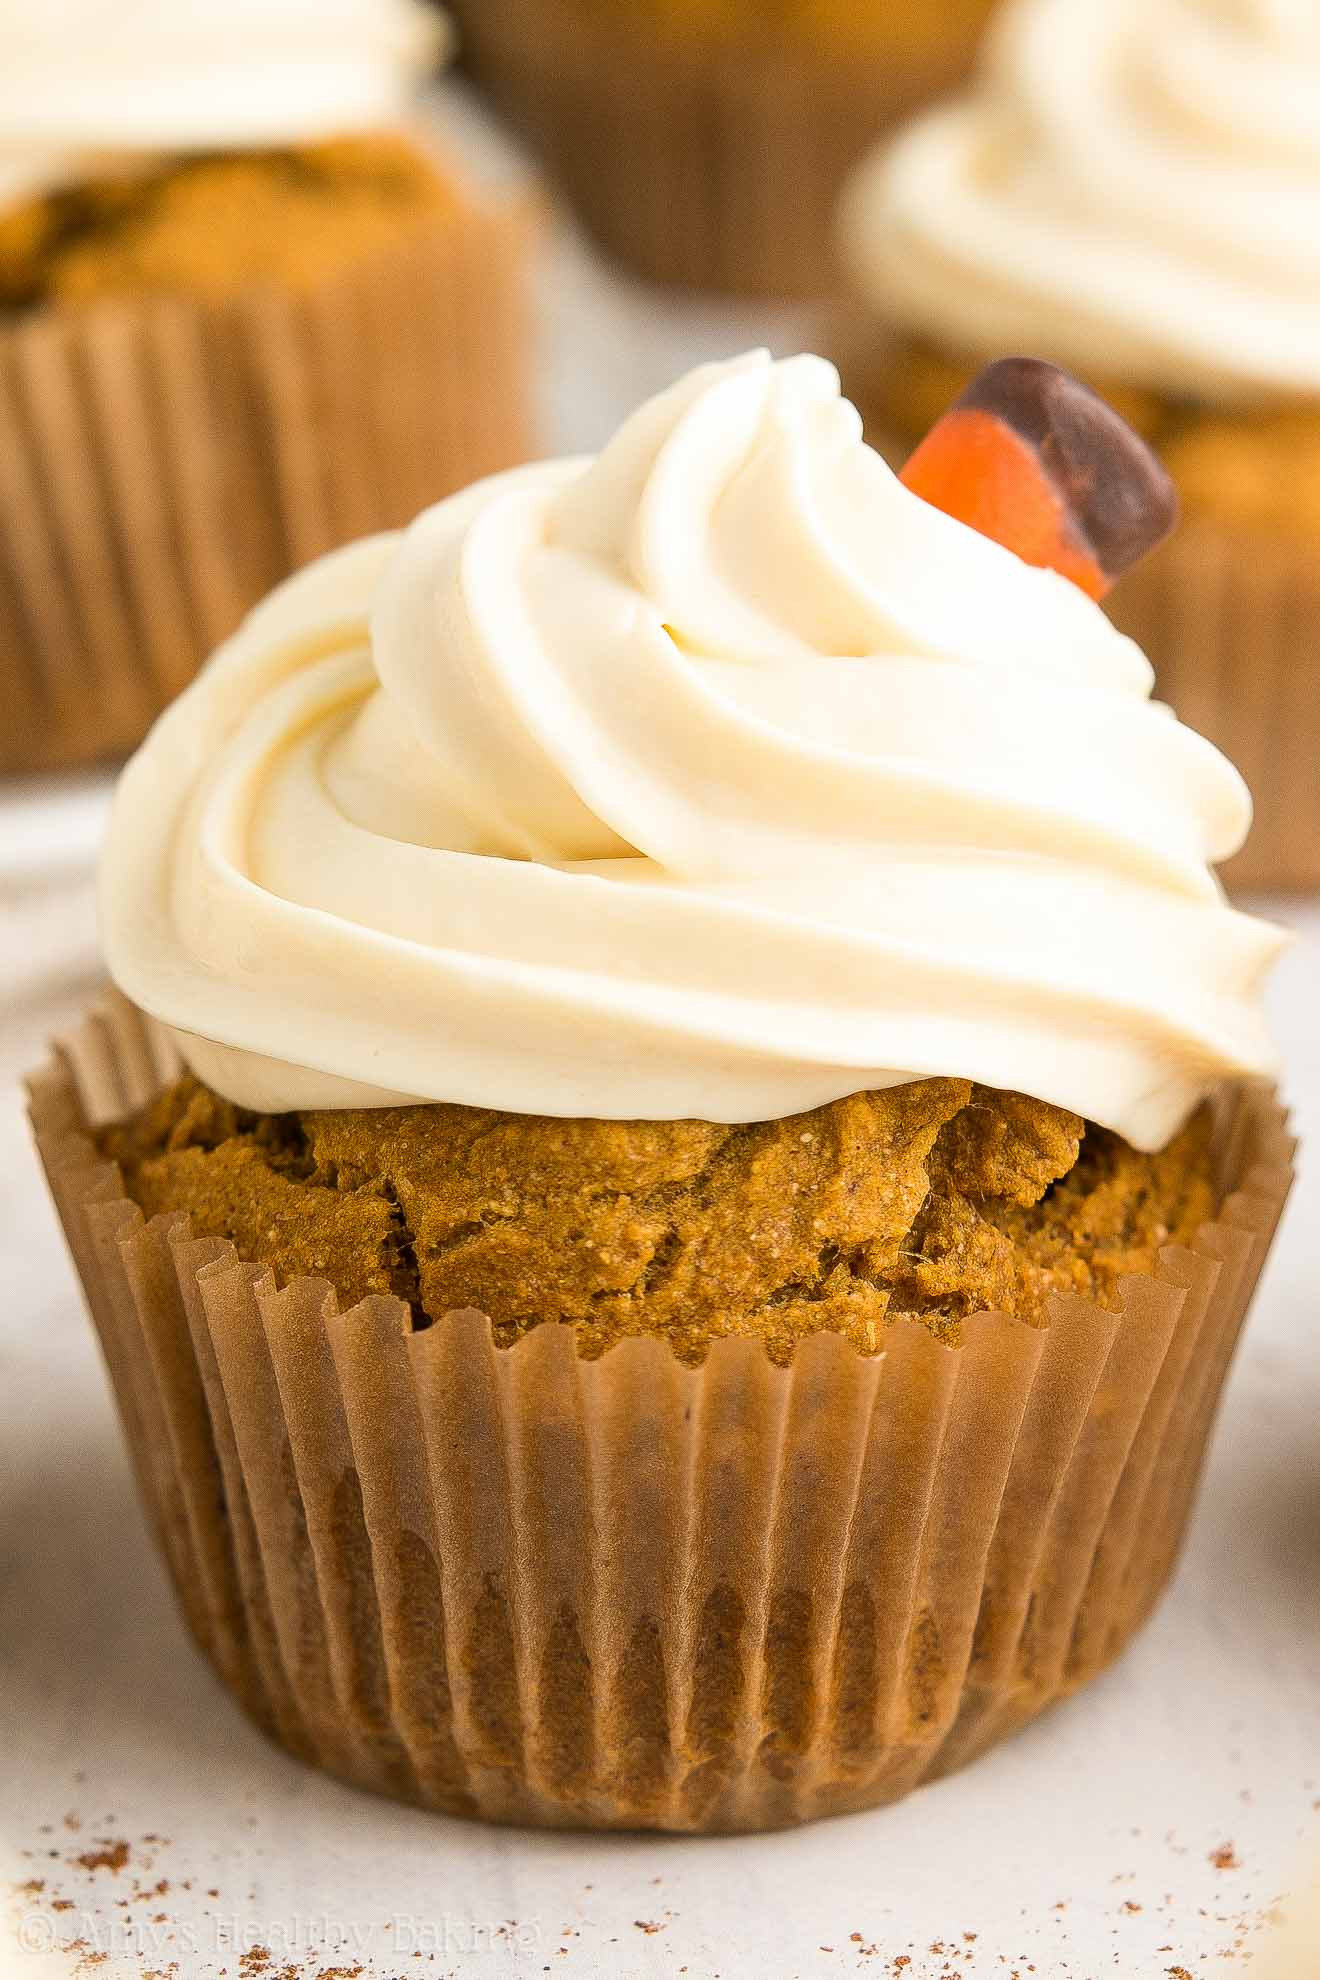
1034	459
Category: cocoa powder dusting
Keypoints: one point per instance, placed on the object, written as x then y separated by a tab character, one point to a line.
111	1856
258	1962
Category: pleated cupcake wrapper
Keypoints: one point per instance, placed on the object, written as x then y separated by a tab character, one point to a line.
627	1593
164	462
1229	614
710	165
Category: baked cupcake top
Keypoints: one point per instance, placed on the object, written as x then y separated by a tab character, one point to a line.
902	27
89	89
717	778
1132	186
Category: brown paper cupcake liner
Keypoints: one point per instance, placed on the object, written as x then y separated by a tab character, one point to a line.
1230	616
691	161
627	1593
165	461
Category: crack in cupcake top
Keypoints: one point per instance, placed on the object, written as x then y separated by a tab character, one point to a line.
717	778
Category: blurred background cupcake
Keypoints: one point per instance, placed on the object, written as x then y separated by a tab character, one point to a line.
704	141
1132	190
249	308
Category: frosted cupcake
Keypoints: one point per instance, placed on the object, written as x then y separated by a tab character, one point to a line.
705	141
704	1160
248	310
1131	190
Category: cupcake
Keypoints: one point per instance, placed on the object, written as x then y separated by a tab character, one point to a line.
704	141
1131	190
247	313
676	1163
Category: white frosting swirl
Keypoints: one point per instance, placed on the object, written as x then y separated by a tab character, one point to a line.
1132	187
719	777
94	86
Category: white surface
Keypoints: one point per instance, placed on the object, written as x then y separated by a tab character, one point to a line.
1082	1849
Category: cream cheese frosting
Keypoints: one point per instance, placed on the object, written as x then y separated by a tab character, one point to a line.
91	87
1131	187
717	777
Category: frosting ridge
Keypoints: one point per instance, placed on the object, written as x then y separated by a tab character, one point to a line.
1129	187
718	777
90	87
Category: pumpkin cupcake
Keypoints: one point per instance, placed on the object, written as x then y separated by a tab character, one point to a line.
704	141
247	311
675	1168
1131	190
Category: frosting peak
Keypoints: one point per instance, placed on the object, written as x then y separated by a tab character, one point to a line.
1130	187
91	86
718	777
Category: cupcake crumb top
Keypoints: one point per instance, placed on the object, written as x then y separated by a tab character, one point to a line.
908	28
207	225
936	1198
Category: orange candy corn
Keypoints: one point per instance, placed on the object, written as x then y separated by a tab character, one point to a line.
1034	459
